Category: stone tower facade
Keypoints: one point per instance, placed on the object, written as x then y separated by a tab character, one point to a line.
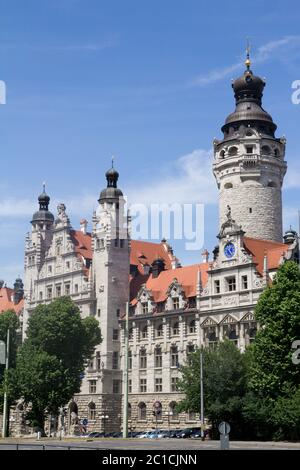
110	271
249	164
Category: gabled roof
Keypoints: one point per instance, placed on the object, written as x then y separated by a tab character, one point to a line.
144	253
7	303
83	243
186	276
260	248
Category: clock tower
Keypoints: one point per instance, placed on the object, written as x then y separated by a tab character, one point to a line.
249	164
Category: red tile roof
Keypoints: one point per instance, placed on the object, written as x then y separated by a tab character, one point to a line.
143	253
7	303
186	276
83	243
260	248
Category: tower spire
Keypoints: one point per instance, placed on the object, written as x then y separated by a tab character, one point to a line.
248	49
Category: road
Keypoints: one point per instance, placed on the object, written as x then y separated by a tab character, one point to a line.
139	444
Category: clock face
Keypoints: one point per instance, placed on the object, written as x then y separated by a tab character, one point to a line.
229	250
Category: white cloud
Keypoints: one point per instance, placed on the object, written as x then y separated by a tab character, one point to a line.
271	50
188	179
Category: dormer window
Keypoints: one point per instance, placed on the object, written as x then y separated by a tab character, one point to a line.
145	309
176	303
249	149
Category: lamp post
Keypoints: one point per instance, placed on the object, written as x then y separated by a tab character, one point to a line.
169	414
125	381
104	418
5	405
201	397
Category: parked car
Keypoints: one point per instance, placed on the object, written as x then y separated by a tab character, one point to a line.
175	432
186	433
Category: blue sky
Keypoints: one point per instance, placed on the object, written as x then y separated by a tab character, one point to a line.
146	81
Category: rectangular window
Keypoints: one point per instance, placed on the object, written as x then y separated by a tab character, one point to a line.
145	308
143	359
158	384
158	358
231	284
129	386
176	303
115	364
115	335
67	289
118	313
76	288
143	385
98	312
91	364
217	286
98	361
174	384
49	269
93	386
41	295
249	149
129	360
245	282
68	265
116	386
49	293
58	291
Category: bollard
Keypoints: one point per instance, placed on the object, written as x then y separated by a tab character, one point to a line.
224	430
39	435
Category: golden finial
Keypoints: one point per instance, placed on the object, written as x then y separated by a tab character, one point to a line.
248	61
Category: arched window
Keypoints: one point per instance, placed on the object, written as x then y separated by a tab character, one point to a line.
143	358
266	150
173	411
176	328
92	411
192	326
228	186
174	356
233	151
222	154
276	153
159	331
271	184
142	411
158	357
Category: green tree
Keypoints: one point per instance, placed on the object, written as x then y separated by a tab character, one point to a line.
8	320
58	345
272	406
224	380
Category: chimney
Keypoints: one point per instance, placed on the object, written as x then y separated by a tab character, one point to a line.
205	256
83	226
158	266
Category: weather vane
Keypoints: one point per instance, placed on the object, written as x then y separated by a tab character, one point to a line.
248	49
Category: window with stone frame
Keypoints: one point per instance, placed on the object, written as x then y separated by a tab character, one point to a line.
158	357
175	329
129	385
67	289
217	287
115	335
174	356
191	416
211	336
92	411
145	309
98	361
49	293
115	360
190	349
158	384
231	284
130	334
174	384
92	386
245	282
145	332
143	385
192	327
142	411
143	358
41	296
175	303
129	360
129	411
116	386
160	307
159	331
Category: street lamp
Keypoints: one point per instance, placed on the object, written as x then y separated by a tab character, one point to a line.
104	418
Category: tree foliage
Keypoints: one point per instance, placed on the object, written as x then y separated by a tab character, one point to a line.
50	362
